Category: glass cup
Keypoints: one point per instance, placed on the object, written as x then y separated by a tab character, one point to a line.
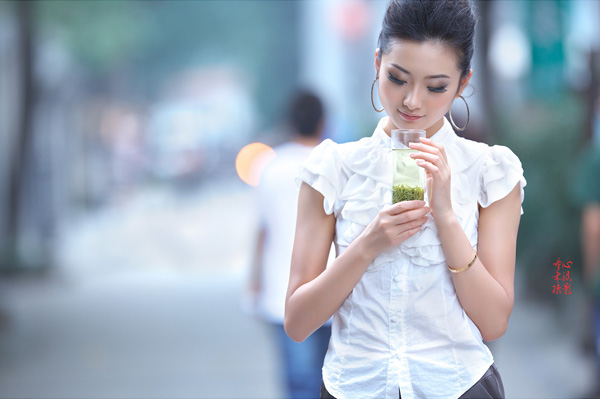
408	178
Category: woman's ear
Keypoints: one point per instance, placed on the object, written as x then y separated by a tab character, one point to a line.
464	82
377	61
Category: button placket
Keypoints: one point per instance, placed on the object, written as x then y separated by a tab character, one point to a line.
401	352
396	301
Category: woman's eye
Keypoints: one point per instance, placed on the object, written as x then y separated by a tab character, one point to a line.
395	79
440	89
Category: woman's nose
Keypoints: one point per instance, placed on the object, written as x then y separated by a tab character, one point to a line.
412	100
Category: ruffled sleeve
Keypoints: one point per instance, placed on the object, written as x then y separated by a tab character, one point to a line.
323	171
500	172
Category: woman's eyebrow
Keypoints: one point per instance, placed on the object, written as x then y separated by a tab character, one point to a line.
426	77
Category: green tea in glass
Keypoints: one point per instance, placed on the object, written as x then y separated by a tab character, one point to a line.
408	178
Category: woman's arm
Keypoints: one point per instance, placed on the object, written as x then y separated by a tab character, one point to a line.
315	292
486	290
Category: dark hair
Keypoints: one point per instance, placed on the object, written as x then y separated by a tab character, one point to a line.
305	114
451	22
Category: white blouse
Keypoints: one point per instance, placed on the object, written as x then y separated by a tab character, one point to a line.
402	326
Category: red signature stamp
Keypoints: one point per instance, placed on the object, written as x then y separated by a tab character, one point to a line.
562	278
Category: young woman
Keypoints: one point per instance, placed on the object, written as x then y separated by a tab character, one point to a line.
415	288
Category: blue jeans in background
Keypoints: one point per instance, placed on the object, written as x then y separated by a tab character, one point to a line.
596	330
302	362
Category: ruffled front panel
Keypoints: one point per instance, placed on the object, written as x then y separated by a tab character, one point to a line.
367	191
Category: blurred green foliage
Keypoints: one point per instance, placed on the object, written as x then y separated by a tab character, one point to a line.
548	144
149	41
546	29
102	34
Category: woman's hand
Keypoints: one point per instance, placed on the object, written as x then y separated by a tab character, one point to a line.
432	158
392	226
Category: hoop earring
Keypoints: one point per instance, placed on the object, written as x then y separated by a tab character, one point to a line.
468	116
372	99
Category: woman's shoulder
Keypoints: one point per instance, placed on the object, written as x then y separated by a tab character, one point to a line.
343	152
483	148
495	170
471	148
470	153
328	168
464	154
363	142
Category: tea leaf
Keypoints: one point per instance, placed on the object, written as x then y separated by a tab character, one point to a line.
405	193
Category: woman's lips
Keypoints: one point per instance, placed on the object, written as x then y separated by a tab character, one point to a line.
409	117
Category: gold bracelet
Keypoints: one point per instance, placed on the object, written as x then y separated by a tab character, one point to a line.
462	269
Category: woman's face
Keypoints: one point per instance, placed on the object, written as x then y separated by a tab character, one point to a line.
417	84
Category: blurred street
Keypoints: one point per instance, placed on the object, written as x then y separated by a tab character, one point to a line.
146	303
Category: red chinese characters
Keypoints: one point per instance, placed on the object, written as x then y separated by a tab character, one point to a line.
562	278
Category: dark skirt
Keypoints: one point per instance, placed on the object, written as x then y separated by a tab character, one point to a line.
489	386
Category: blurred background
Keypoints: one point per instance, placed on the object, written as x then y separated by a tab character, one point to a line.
126	232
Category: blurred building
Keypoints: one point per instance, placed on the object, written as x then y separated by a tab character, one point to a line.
206	115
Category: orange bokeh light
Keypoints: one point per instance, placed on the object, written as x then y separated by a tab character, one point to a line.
251	160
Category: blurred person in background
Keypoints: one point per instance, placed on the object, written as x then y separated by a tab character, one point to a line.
277	198
417	285
596	123
588	188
